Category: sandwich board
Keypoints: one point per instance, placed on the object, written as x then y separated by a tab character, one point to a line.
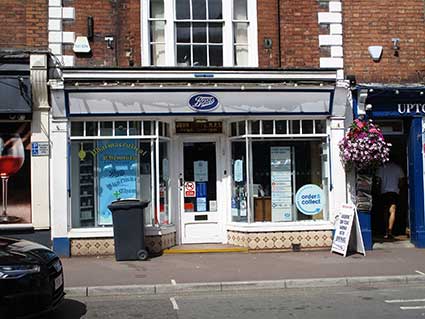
348	235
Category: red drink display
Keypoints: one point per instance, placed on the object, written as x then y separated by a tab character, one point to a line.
9	165
11	160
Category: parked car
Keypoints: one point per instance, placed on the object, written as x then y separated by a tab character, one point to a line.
31	279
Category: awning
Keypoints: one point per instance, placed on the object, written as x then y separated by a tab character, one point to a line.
15	95
206	102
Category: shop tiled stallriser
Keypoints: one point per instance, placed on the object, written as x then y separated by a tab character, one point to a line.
105	246
280	240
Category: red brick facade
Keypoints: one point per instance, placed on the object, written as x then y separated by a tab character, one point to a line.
117	19
23	24
299	33
367	23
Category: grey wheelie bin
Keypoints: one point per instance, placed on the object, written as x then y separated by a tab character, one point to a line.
129	231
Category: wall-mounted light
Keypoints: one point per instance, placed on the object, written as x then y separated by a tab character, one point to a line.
396	45
375	52
109	42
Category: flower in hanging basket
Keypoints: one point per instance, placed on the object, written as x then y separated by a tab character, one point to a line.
363	146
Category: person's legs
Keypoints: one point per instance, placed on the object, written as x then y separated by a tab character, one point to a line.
391	219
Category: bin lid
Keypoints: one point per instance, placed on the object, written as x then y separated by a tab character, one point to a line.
127	204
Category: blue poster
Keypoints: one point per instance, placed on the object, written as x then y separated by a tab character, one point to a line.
117	166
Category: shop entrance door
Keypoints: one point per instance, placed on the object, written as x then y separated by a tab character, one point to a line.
199	181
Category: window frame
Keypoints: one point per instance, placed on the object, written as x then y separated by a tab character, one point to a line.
228	35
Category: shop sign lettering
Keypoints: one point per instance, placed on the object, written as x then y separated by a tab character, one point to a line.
408	108
309	199
203	102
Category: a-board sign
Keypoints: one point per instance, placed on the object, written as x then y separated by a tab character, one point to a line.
348	235
189	189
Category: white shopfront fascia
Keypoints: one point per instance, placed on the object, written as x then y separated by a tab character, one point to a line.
105	104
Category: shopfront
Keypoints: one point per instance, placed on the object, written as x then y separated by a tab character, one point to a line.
220	162
399	111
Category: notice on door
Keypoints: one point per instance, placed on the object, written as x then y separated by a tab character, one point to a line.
200	170
189	189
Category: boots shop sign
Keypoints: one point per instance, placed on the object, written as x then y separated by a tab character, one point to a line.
411	108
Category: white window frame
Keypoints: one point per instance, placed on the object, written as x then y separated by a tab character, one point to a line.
228	43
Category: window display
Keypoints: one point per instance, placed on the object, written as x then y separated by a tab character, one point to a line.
279	170
104	169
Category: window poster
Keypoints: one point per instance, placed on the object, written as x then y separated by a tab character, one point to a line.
238	171
281	190
200	169
117	167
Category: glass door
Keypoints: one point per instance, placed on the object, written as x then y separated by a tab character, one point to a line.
199	209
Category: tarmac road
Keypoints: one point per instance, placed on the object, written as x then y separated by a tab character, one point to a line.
376	301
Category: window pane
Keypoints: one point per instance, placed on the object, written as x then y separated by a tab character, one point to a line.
164	180
295	127
199	33
239	189
307	126
158	54
320	126
121	128
183	55
216	55
91	128
280	127
267	127
77	129
147	128
241	127
255	127
157	9
215	33
182	9
199	10
106	128
199	55
157	31
134	127
214	9
241	33
233	129
241	55
183	32
240	10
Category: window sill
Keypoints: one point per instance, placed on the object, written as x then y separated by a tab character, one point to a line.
282	226
109	231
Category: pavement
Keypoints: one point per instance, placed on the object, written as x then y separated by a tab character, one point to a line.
172	273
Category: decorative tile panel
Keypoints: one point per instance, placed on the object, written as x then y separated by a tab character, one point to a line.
105	246
280	240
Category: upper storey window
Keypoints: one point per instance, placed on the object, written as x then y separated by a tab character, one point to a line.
199	33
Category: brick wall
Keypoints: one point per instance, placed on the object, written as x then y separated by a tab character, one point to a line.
23	24
119	19
299	33
369	22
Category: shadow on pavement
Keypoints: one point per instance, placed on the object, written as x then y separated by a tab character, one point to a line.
69	309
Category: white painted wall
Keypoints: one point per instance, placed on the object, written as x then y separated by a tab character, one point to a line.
59	180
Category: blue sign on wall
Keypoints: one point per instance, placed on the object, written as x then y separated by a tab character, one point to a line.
117	167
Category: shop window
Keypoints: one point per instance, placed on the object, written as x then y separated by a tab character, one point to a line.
320	126
19	187
255	127
192	33
164	183
287	178
104	169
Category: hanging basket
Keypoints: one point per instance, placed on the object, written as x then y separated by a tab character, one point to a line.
363	147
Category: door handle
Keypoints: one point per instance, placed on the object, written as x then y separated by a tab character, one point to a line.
181	182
